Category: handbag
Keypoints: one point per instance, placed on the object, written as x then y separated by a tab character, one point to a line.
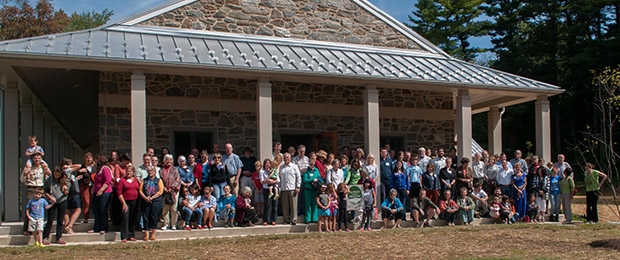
168	200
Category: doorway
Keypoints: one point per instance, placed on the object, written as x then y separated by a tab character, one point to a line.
185	141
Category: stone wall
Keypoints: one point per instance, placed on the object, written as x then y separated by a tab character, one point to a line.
321	20
239	128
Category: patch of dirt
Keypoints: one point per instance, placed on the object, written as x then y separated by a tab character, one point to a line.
608	243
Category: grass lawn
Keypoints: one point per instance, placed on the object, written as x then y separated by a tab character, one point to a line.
520	241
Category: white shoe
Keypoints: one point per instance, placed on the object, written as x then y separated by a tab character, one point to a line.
164	228
174	227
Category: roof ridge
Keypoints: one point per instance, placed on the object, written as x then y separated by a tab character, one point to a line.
152	12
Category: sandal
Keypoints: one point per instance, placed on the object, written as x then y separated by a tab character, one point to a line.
69	230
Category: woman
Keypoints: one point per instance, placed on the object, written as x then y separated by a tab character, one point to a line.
245	214
540	190
344	162
74	208
102	189
85	174
592	192
329	161
185	172
172	185
310	183
270	210
491	173
226	207
335	175
464	175
151	189
554	194
203	168
359	156
399	180
120	170
447	206
371	167
447	177
354	173
114	158
218	176
192	165
56	189
392	209
519	194
431	183
127	191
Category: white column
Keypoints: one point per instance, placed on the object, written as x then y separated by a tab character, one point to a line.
543	128
463	124
138	116
495	131
264	117
371	123
11	171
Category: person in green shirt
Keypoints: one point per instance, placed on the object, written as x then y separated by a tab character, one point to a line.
311	175
567	186
592	192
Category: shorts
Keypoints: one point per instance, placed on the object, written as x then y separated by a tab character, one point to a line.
324	213
414	190
333	211
35	224
75	202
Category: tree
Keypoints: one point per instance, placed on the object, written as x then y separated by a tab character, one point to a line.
87	20
22	20
450	24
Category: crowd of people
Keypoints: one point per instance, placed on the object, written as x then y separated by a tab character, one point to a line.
202	188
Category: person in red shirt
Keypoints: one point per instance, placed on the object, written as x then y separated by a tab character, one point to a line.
127	191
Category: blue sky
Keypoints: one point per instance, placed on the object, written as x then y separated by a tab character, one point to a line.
399	9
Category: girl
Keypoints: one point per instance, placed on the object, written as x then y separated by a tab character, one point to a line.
209	205
56	189
343	190
554	194
567	186
226	207
466	207
333	209
368	196
539	183
323	202
448	207
192	206
344	162
533	209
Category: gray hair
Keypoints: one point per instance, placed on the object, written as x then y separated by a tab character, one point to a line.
393	191
181	159
168	157
246	190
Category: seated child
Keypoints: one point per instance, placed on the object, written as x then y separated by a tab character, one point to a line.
192	206
505	211
532	208
495	207
35	212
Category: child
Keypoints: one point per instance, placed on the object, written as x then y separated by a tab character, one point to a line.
32	150
466	207
259	200
343	190
532	209
333	209
369	204
506	210
35	212
480	199
226	207
192	206
273	188
495	207
323	202
209	205
567	189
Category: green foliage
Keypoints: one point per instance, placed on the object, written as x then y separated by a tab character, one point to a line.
88	20
450	24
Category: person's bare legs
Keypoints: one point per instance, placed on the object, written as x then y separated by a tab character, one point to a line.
72	216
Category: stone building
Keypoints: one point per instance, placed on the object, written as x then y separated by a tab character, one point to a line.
191	73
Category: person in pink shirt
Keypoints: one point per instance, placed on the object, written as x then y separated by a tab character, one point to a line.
127	191
102	191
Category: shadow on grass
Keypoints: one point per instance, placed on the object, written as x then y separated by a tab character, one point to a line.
607	243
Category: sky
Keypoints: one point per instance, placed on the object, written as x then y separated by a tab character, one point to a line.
399	9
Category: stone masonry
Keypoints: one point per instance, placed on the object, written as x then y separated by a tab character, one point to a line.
240	128
339	21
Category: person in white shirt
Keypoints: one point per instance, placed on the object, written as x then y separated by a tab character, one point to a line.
561	165
477	166
480	199
290	181
335	175
423	160
439	161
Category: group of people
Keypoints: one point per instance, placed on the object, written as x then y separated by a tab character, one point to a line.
203	188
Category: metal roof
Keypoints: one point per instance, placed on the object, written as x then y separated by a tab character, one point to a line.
223	50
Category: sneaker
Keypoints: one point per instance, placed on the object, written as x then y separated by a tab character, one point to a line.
426	224
416	225
36	244
188	228
164	228
174	227
362	229
41	245
369	229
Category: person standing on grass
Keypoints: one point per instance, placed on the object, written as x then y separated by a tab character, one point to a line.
593	186
567	188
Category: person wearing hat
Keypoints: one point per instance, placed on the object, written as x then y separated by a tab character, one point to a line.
248	161
464	175
320	159
311	183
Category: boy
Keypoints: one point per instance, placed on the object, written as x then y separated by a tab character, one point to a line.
415	179
32	150
35	211
480	198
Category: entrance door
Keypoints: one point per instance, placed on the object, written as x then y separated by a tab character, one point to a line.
327	141
296	140
185	141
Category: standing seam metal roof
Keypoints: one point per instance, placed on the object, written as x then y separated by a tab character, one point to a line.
212	49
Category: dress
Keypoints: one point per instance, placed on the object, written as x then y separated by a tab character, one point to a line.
520	200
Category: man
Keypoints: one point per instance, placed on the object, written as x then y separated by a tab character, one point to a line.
216	149
439	161
518	159
290	181
150	151
452	154
196	155
561	165
504	176
423	160
141	170
302	162
406	159
385	167
291	150
477	166
233	165
277	147
33	177
248	167
172	185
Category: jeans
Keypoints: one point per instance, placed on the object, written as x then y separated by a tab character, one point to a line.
555	204
270	213
56	212
450	217
100	210
151	212
218	189
128	219
467	215
188	215
592	205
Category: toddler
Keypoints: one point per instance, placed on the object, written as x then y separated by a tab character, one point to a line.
35	212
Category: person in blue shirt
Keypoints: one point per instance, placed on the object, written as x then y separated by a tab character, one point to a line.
385	167
392	209
415	178
35	212
185	172
400	181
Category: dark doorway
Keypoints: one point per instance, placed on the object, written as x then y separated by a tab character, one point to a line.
296	140
185	141
397	143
